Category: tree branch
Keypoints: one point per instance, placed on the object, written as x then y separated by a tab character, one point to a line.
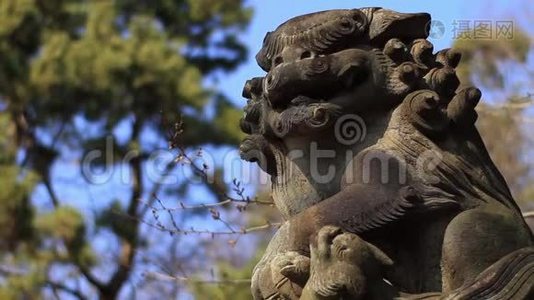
181	279
129	243
66	289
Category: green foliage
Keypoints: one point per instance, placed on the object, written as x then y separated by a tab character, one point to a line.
483	57
23	287
16	212
119	61
139	63
64	223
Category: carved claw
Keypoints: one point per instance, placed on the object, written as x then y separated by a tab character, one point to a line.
343	263
289	273
291	265
325	236
334	244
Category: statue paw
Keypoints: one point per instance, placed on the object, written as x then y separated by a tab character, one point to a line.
343	262
335	245
290	266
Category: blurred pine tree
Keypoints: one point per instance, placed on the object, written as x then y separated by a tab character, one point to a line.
106	63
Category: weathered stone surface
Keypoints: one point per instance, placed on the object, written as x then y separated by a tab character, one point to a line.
378	168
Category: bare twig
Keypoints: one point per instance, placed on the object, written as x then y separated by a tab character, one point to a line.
181	279
192	230
66	289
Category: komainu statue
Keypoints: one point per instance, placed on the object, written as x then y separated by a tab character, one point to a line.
385	184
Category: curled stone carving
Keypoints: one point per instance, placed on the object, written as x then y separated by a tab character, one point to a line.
386	186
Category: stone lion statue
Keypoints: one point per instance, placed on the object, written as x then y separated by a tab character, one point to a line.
386	187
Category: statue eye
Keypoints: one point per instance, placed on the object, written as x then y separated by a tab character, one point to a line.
346	24
342	251
278	60
305	54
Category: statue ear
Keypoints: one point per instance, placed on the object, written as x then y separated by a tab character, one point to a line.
387	24
379	255
361	20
